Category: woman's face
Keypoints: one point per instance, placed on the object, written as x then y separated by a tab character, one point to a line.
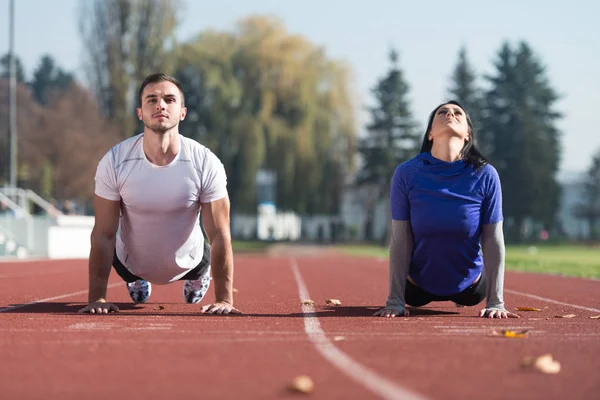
449	119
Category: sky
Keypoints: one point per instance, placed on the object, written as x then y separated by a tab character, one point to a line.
427	33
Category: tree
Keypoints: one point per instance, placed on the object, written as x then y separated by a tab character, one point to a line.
392	137
61	144
520	120
125	40
5	68
26	120
262	98
464	89
47	78
589	207
75	138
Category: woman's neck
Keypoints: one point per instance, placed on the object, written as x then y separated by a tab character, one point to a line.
448	150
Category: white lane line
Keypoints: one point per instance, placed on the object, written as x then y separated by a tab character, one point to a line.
9	262
533	296
5	309
364	376
100	326
36	273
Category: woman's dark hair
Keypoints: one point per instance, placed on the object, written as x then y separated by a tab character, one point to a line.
470	153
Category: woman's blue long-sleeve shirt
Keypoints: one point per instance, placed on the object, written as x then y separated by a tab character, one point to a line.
446	203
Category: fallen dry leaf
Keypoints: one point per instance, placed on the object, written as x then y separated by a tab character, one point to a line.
565	316
159	307
307	302
302	384
339	338
543	364
595	316
510	334
333	302
528	309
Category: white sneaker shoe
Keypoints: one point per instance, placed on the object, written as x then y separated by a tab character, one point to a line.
139	291
194	291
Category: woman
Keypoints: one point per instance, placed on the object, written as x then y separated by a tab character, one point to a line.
446	206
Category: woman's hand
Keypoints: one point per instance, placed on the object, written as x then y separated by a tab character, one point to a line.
494	312
390	312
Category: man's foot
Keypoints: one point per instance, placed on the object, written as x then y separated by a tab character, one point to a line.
139	291
194	291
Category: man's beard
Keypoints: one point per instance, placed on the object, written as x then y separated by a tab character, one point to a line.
159	128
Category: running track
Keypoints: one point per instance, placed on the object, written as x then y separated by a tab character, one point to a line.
165	348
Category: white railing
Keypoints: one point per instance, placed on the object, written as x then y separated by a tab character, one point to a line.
9	246
23	195
15	221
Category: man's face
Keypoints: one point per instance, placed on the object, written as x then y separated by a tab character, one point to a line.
162	107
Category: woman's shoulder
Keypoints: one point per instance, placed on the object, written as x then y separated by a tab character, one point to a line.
488	177
409	166
488	170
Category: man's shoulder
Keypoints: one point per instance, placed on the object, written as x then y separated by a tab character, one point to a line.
126	145
129	142
197	151
119	152
192	144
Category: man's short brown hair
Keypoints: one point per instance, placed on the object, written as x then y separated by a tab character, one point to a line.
160	77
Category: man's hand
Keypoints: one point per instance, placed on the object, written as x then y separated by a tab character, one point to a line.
390	312
99	307
496	313
219	308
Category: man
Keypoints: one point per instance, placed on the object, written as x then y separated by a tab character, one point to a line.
150	190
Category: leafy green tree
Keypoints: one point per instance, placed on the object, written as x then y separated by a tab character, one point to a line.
262	98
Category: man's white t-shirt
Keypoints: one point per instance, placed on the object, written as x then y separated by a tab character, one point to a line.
159	237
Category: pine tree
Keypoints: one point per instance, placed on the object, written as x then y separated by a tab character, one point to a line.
589	208
5	68
392	137
47	78
525	146
464	89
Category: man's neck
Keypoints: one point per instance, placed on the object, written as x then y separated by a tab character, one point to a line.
161	148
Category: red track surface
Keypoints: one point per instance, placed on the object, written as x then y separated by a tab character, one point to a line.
439	352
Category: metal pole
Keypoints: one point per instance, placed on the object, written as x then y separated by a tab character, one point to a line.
12	99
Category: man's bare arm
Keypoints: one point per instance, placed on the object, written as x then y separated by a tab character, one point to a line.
215	219
102	246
